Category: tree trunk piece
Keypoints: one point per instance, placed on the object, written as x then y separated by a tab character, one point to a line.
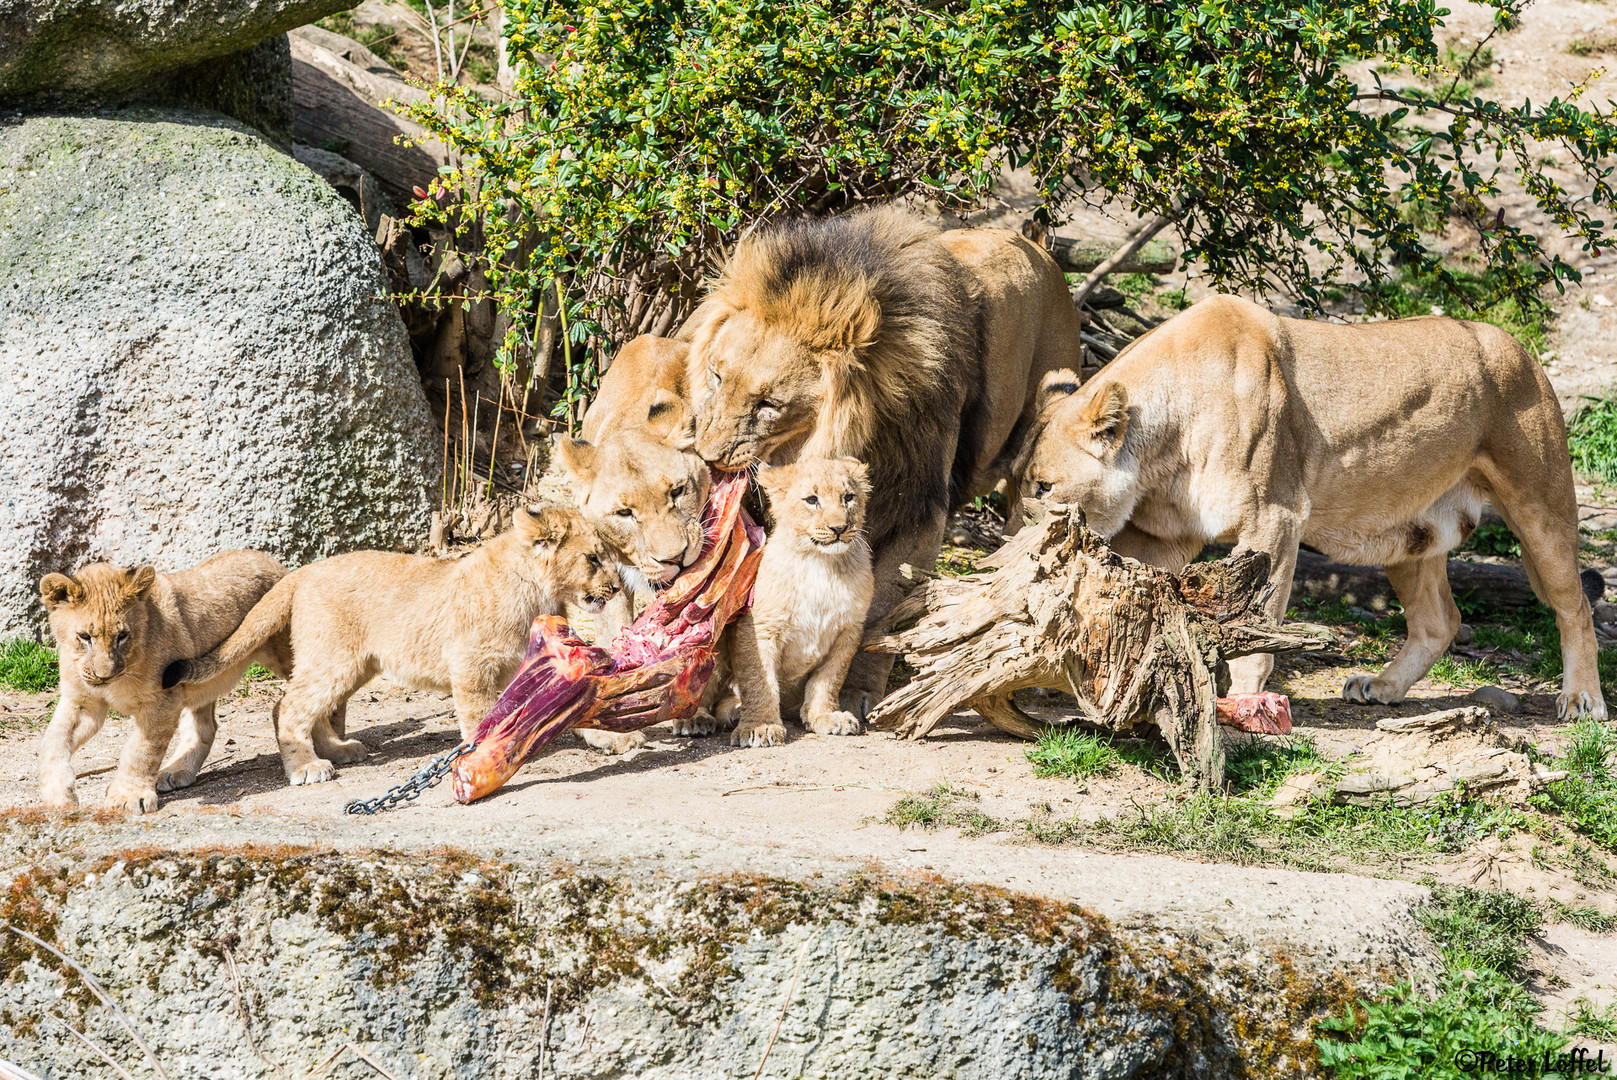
1134	644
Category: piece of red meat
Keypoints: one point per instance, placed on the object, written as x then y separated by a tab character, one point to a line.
656	669
1265	713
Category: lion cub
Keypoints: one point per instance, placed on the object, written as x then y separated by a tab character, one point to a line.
453	626
792	648
116	630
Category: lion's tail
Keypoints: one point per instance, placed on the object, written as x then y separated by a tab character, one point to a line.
267	618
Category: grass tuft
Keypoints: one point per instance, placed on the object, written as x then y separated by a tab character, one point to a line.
1068	751
27	666
940	806
1592	438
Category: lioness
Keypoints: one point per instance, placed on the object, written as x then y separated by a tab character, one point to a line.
116	630
1376	443
454	626
876	337
646	497
791	648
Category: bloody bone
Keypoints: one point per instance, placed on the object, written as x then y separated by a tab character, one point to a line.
656	669
1264	714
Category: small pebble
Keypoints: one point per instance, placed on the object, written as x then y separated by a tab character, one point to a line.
1464	635
1494	698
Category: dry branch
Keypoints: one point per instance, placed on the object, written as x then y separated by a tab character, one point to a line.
1134	644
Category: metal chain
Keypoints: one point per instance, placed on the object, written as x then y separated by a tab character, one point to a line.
412	788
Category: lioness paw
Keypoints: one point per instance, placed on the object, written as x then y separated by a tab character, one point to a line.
1367	690
612	742
317	771
759	735
703	723
1572	704
174	779
344	751
834	723
55	797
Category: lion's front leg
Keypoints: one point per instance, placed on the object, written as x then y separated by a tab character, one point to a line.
866	682
1277	535
74	724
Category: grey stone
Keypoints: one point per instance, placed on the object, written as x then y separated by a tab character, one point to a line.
94	47
198	354
1494	697
437	968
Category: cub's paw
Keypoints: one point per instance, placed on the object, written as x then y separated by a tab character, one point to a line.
612	742
344	751
1572	704
134	798
317	771
855	701
174	779
58	797
1365	690
834	723
703	723
759	735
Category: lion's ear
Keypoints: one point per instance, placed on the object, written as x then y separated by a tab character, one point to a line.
138	582
576	456
545	527
57	589
669	420
1056	385
1106	419
773	478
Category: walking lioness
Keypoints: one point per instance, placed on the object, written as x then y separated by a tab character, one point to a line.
1377	443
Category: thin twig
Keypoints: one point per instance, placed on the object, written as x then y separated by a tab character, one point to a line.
1117	258
85	1039
544	1028
437	50
366	1058
241	1009
791	991
320	1069
100	992
8	1071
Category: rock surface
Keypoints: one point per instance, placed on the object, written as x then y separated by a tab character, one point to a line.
442	964
80	47
198	355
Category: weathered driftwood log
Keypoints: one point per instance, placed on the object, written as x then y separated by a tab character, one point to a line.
1133	643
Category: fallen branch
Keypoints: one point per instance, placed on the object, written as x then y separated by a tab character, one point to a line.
1082	256
1133	643
1117	258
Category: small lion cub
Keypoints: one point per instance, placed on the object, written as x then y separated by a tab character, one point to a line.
791	650
116	630
457	626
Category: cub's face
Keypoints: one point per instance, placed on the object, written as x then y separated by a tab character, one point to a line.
97	618
754	390
818	504
644	496
575	559
1078	455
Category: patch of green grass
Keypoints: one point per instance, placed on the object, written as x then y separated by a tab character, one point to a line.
1134	287
1583	1019
27	666
1068	751
1592	46
1257	766
1587	798
940	806
1585	918
1463	671
255	673
1592	437
956	562
1479	1006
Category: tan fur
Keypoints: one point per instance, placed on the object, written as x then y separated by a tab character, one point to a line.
1376	443
875	337
454	626
645	496
792	648
116	631
643	389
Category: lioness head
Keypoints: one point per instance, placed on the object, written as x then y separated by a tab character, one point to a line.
818	503
581	565
1078	453
644	495
97	618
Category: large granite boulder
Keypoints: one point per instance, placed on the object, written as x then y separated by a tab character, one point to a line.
197	353
87	47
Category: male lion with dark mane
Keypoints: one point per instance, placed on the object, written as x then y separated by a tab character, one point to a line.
875	336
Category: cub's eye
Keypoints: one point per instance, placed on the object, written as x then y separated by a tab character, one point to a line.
123	636
813	500
84	638
847	500
714	377
624	512
595	564
676	492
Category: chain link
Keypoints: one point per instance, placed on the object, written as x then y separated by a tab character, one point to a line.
412	788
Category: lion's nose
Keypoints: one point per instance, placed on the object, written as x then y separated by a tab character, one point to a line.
838	530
